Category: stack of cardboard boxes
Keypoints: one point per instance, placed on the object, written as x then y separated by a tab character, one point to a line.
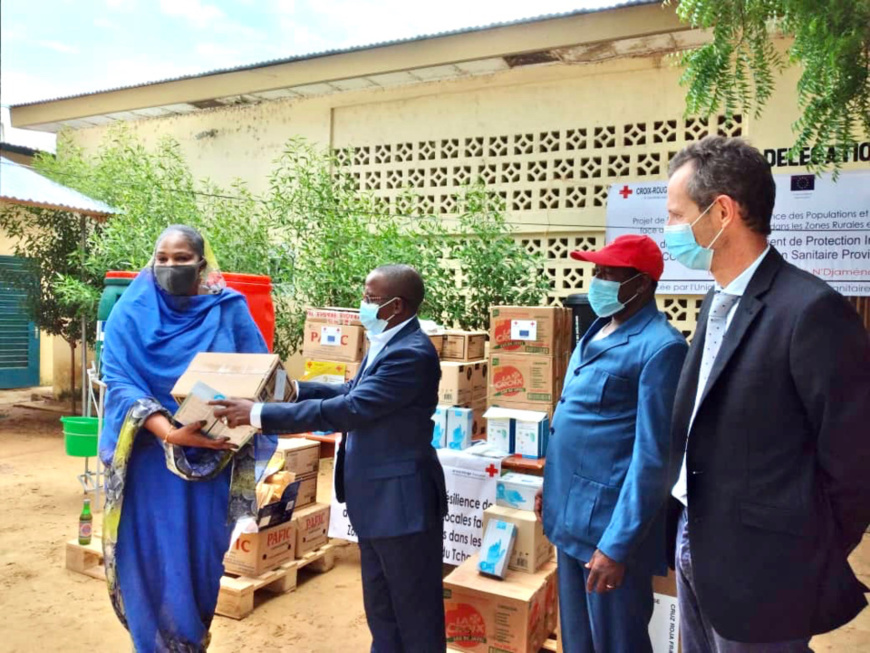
462	391
290	532
334	344
519	612
529	348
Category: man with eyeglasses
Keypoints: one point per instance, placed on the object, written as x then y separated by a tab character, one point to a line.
385	467
605	479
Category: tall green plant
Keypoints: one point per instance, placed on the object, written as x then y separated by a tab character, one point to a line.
831	42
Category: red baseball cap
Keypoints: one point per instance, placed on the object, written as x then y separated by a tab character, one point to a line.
629	251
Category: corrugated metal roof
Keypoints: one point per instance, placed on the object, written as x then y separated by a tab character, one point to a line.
357	48
21	185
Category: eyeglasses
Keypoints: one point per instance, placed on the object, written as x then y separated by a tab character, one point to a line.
374	299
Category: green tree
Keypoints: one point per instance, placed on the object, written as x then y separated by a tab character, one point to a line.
737	69
49	241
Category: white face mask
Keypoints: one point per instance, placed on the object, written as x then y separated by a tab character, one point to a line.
368	317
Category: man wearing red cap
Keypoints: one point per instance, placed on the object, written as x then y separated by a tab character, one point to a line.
605	480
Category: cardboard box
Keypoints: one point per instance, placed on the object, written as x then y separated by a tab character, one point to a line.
521	378
479	380
439	431
312	523
518	491
529	330
253	554
536	408
532	549
456	384
330	315
464	345
499	430
531	434
498	546
258	377
301	456
515	615
307	490
460	424
438	340
321	371
478	427
336	342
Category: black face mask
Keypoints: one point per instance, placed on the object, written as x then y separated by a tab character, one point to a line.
176	279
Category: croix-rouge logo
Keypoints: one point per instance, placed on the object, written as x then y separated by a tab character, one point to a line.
465	626
508	381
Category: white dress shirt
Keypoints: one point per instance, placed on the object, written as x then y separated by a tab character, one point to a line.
378	342
736	287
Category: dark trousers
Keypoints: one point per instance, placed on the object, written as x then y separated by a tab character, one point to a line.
403	592
697	634
615	622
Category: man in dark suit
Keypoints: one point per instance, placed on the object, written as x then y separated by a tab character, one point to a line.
385	468
771	444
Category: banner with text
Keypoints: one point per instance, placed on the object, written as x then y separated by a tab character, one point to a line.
819	225
471	487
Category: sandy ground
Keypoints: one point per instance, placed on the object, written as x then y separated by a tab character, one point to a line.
45	607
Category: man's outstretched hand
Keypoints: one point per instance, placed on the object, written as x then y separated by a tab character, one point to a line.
234	412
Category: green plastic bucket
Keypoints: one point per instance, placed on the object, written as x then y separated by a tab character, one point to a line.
80	436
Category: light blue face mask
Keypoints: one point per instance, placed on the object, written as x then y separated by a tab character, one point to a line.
681	244
604	296
368	317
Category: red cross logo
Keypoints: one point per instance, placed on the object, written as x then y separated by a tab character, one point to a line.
625	192
492	470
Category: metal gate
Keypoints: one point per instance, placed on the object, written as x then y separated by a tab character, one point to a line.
19	337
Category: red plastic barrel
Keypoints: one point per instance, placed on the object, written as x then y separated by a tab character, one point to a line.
258	291
121	274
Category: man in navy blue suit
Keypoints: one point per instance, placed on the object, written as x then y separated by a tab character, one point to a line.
385	468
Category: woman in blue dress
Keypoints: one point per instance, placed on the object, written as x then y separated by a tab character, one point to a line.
173	494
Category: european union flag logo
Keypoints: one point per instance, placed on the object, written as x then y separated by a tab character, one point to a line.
803	182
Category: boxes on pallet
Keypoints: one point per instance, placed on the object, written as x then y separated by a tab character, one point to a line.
312	523
532	549
522	378
439	431
456	387
307	489
497	548
464	345
485	614
255	553
460	424
543	330
301	456
518	490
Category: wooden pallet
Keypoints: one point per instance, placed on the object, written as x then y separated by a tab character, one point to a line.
87	559
236	598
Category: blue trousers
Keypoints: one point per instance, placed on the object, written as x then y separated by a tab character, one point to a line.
615	622
697	634
403	592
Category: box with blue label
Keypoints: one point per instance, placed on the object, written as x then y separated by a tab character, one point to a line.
439	433
497	548
460	426
518	490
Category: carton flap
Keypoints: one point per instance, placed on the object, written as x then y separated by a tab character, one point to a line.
512	413
288	444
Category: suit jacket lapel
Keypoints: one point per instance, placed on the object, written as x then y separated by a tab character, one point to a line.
747	311
410	327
